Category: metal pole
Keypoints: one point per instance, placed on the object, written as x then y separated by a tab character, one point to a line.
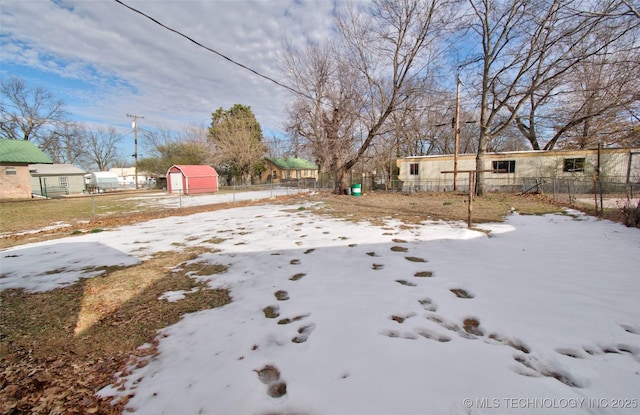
456	135
600	181
472	179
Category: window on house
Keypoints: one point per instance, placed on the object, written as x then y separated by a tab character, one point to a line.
573	165
10	171
413	169
274	174
63	182
505	166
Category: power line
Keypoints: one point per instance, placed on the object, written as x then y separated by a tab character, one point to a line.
295	91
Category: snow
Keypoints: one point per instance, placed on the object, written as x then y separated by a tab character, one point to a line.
177	200
555	296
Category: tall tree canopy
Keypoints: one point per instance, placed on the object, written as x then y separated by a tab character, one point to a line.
237	139
240	114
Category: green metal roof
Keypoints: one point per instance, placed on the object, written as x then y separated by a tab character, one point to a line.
21	151
293	163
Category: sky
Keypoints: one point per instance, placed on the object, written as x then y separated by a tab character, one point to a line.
371	319
106	61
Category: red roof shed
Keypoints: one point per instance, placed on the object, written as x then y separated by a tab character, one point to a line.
190	179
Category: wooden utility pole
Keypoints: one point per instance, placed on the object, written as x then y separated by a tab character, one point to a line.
134	125
472	186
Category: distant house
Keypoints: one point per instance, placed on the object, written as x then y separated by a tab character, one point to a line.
281	169
15	157
192	179
55	179
127	177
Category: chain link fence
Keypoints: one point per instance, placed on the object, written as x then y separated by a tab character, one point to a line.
607	193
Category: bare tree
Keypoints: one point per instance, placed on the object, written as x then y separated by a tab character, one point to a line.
632	9
279	146
353	84
528	49
319	122
65	144
167	147
25	111
101	146
598	106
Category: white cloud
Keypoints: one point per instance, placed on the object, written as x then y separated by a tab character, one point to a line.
135	66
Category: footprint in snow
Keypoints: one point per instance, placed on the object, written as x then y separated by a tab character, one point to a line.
400	318
272	311
303	333
298	276
270	376
432	335
428	304
281	295
532	366
462	293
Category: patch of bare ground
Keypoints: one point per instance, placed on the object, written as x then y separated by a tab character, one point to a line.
378	207
60	347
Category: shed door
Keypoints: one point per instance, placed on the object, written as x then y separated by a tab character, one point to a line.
176	182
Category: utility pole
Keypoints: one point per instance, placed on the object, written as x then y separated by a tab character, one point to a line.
456	136
134	125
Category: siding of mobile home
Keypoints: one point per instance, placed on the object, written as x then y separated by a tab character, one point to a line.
616	164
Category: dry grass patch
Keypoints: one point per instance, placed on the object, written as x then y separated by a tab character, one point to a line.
378	207
60	347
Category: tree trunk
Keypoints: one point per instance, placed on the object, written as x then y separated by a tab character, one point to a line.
340	185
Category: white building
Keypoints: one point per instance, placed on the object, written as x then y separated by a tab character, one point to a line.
517	169
126	177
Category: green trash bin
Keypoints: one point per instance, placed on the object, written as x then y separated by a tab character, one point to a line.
356	189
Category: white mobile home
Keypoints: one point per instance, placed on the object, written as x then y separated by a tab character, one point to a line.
101	181
518	169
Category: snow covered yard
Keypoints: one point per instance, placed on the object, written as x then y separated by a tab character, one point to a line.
539	314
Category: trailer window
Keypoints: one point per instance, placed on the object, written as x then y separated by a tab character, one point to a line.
413	169
505	166
573	165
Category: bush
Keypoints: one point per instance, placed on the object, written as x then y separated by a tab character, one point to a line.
631	214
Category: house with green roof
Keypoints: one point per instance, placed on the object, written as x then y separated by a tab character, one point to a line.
15	157
281	169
